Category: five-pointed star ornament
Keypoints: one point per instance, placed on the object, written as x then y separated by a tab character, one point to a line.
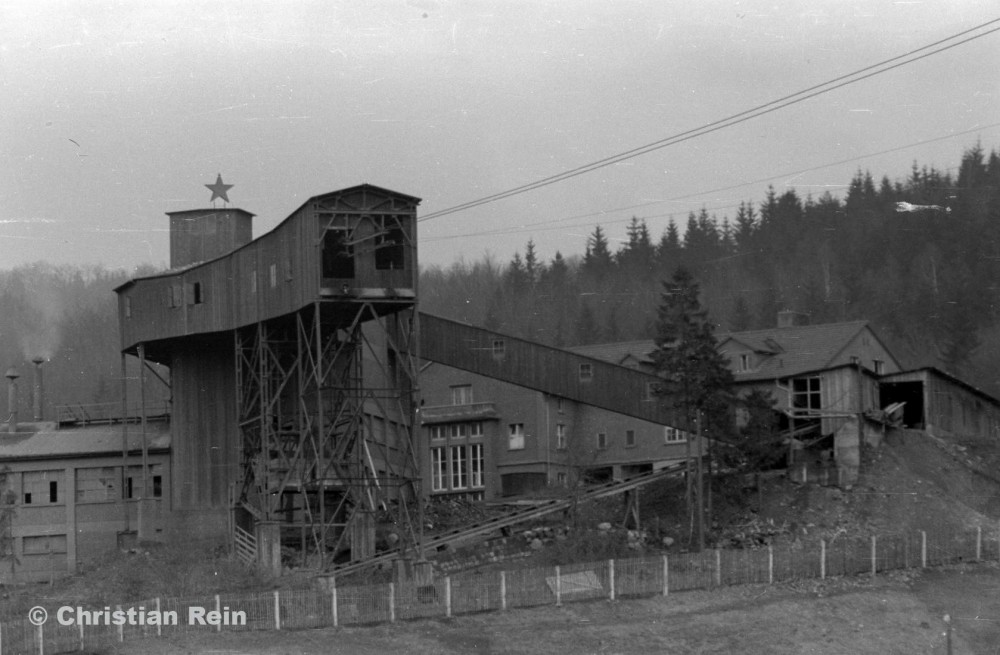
219	189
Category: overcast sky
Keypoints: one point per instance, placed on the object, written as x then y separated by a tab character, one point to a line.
115	113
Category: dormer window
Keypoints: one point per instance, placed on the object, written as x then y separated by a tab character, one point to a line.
745	362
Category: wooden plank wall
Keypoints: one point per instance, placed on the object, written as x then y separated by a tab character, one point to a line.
542	368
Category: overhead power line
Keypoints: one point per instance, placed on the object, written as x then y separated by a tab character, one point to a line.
566	221
923	52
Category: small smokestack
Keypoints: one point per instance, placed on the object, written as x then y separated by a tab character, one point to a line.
37	396
12	375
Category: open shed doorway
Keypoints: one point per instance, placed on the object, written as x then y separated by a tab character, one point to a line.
911	393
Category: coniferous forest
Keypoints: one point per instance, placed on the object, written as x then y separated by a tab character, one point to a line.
917	255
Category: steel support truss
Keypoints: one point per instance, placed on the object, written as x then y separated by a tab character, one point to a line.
326	414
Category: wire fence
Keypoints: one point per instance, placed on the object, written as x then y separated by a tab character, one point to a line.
70	629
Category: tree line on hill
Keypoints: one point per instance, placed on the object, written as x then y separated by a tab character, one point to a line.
918	257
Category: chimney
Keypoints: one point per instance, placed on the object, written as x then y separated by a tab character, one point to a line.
789	318
36	395
12	376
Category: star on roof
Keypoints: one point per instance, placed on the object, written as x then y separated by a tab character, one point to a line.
219	189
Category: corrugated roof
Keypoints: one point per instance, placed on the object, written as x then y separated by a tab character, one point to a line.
46	440
789	350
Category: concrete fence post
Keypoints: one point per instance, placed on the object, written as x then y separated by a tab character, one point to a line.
159	626
611	579
822	559
666	576
558	588
392	602
41	639
277	610
121	628
770	564
979	543
333	602
447	596
874	559
923	549
218	608
718	567
503	590
82	644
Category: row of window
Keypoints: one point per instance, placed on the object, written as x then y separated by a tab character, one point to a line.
101	484
455	468
457	430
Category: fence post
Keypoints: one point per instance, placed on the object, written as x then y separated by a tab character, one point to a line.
822	559
718	567
874	560
503	590
159	624
447	596
979	543
218	609
80	625
41	640
558	588
392	602
121	628
611	578
277	610
333	601
923	549
666	576
770	564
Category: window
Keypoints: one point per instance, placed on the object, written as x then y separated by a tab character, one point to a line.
42	487
288	270
516	436
477	464
476	429
196	295
175	296
273	274
879	366
459	472
389	254
673	435
499	348
744	362
560	436
253	281
133	483
338	256
629	438
461	395
806	393
650	391
561	479
128	307
559	405
602	440
439	469
95	485
586	372
45	544
437	432
457	430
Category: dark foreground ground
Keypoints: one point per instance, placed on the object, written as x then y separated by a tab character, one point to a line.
898	613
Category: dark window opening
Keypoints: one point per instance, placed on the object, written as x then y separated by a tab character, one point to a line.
128	487
389	250
157	486
198	298
338	256
53	491
27	498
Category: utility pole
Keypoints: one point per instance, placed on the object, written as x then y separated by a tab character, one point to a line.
700	483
